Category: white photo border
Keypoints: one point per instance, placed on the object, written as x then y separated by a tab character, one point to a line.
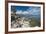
23	29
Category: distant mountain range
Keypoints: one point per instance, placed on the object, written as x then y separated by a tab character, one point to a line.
28	16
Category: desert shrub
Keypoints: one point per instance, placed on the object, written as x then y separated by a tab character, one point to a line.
12	18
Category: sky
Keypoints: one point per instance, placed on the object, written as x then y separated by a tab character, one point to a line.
34	10
23	8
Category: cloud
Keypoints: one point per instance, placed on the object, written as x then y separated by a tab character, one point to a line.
33	11
25	12
18	12
22	12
